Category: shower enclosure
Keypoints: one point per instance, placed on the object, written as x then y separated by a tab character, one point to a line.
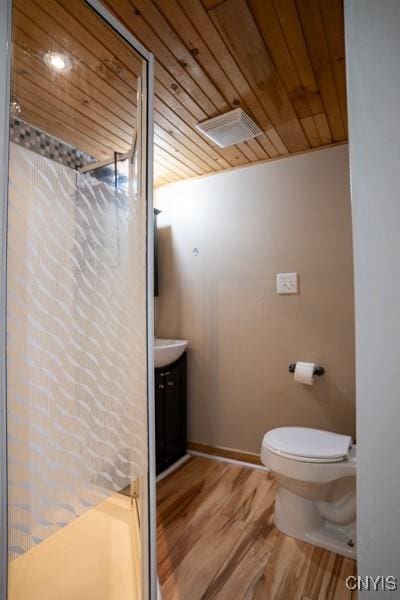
77	479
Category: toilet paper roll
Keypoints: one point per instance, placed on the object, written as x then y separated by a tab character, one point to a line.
304	373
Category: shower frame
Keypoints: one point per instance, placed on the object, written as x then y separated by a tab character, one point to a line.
146	131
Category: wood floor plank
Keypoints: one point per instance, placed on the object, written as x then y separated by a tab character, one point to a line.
217	541
243	565
188	515
251	491
285	573
192	576
326	577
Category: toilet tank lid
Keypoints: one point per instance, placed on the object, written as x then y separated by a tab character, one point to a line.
307	442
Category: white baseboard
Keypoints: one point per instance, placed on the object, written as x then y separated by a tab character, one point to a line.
229	460
172	468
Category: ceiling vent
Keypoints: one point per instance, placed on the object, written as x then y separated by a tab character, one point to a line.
230	128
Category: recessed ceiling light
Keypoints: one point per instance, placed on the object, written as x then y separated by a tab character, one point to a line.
58	62
15	107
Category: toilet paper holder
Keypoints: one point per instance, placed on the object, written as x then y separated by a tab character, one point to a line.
319	371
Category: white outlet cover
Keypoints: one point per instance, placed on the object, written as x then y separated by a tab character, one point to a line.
287	283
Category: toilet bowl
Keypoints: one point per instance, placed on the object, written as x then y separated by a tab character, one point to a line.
316	495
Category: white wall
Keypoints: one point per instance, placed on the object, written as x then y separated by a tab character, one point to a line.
248	225
373	62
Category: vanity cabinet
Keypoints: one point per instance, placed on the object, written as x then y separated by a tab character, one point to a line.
171	413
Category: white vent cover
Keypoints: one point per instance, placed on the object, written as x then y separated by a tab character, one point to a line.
230	128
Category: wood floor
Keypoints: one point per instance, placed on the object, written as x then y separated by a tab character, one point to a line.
217	541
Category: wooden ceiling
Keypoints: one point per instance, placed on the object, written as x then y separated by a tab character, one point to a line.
282	61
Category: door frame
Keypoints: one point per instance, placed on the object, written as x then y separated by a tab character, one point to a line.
147	138
5	96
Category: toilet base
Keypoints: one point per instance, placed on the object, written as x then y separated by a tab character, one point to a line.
299	518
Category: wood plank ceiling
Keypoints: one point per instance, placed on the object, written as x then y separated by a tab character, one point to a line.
282	61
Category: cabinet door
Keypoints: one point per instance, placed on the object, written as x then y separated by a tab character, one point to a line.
160	427
175	411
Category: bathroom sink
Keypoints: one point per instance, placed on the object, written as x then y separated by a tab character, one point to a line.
168	351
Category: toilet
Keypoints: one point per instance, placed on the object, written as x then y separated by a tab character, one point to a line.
316	495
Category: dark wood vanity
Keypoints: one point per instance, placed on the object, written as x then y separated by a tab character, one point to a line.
171	413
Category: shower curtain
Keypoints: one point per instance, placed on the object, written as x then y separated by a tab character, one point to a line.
77	384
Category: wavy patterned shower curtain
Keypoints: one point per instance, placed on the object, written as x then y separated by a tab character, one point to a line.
77	362
77	392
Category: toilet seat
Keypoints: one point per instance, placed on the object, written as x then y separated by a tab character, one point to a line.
304	444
